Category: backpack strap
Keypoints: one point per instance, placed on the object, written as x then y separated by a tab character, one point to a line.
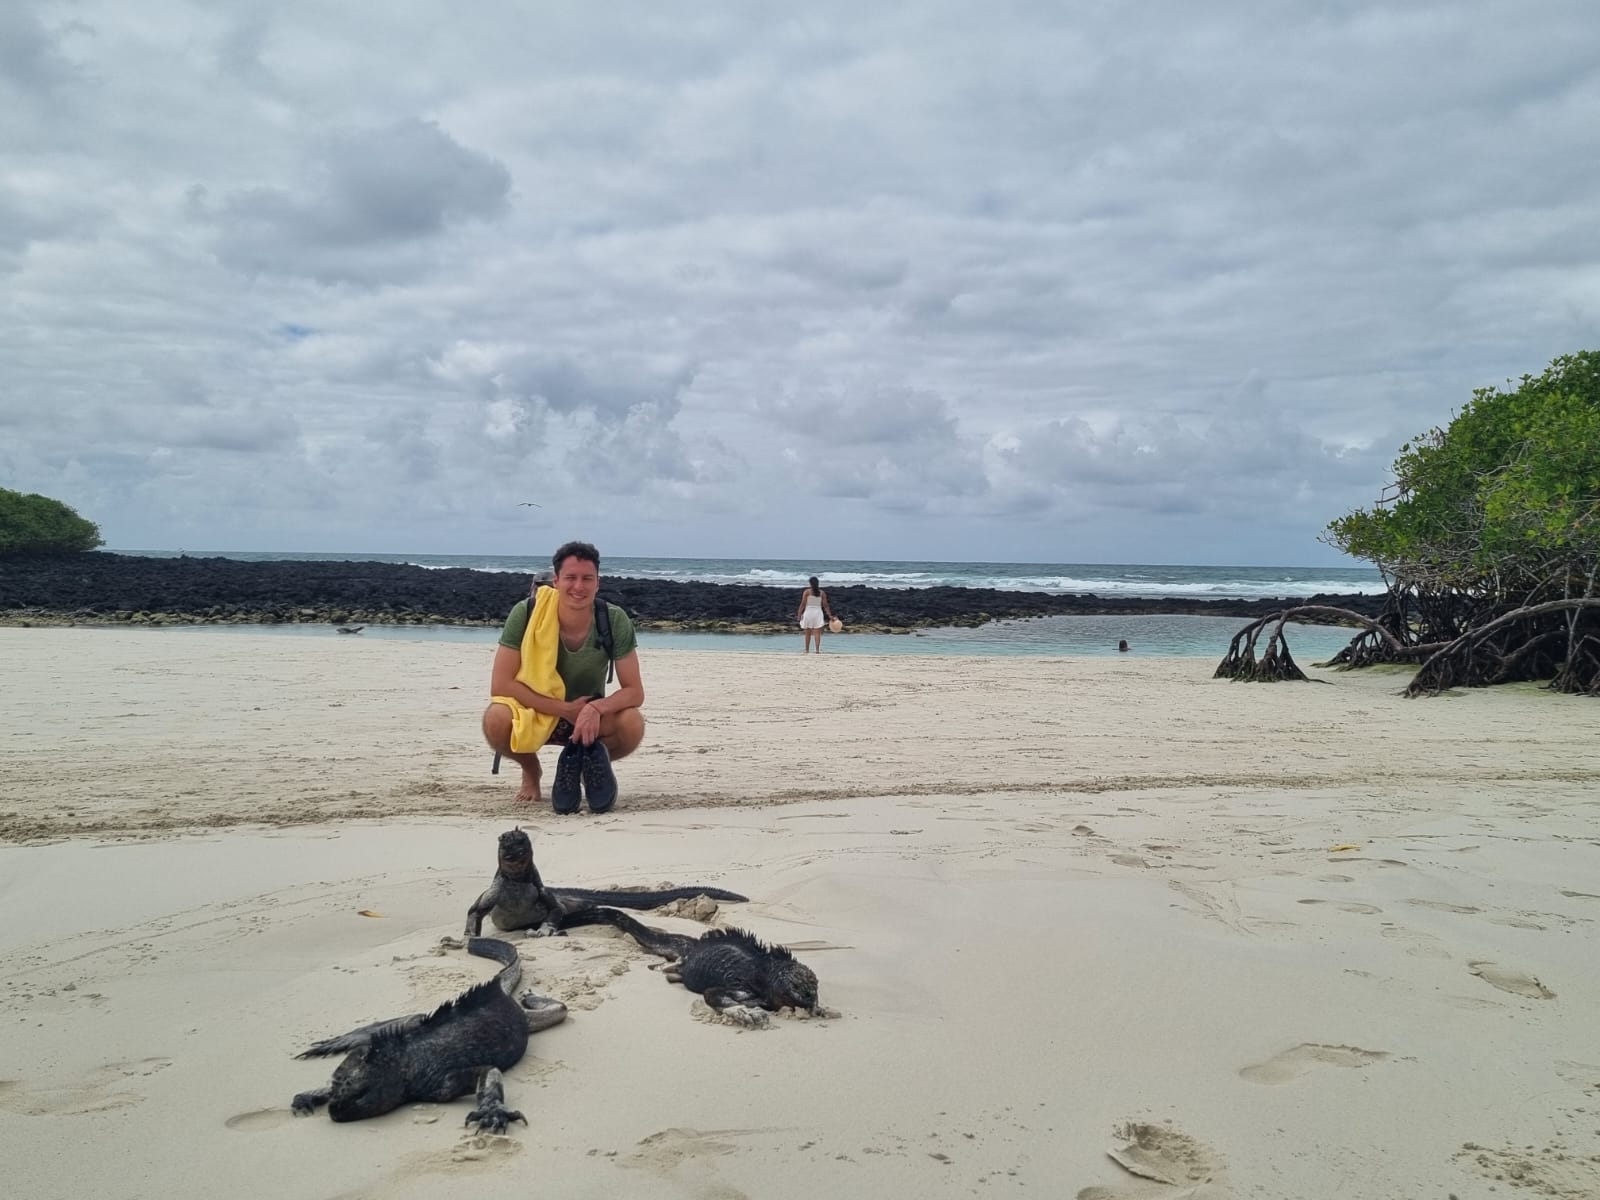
602	636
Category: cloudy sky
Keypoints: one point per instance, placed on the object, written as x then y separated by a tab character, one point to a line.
1108	282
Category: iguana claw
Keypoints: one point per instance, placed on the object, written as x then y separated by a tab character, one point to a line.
493	1118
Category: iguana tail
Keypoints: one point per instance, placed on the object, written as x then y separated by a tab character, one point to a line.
656	941
619	898
504	953
510	976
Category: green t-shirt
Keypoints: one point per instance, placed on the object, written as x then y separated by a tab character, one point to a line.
582	671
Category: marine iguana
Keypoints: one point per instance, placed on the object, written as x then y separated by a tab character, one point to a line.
463	1044
737	973
518	899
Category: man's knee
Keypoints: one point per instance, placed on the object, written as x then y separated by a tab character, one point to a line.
627	731
497	726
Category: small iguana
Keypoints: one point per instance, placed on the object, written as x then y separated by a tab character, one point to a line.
737	973
462	1045
518	899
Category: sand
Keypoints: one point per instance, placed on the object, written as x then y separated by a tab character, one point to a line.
1095	928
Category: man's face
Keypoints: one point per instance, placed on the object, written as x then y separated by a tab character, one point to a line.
577	580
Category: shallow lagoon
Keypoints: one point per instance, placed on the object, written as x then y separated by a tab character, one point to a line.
1041	637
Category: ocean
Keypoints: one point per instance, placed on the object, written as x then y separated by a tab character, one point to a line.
1071	636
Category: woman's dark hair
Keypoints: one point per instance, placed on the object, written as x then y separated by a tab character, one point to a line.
816	588
580	550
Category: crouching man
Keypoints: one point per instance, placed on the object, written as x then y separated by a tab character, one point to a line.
548	687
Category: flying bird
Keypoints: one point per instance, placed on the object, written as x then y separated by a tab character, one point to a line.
528	504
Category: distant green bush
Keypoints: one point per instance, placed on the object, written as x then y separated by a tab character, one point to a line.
1490	539
30	523
1504	502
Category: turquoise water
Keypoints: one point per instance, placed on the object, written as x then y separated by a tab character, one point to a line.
1041	637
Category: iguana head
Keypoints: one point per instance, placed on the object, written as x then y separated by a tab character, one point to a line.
369	1082
516	852
791	984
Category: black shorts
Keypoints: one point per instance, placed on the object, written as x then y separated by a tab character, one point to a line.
561	735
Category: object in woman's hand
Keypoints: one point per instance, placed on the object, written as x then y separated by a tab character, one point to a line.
836	625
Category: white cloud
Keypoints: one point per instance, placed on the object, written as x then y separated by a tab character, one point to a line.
366	209
1024	282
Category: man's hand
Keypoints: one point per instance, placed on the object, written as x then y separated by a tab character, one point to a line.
586	726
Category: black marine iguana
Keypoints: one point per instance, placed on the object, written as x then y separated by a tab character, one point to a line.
463	1044
738	974
518	899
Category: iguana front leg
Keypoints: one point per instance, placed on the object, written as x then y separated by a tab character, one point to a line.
491	1115
735	1004
306	1103
556	912
481	907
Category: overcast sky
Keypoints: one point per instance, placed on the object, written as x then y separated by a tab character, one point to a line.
1106	282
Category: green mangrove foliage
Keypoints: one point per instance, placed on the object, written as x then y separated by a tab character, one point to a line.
1505	502
34	524
1489	537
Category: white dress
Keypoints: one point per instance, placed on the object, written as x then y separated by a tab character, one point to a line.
811	618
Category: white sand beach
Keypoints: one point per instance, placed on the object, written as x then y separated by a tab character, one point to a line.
1098	928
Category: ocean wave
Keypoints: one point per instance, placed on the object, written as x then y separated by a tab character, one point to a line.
1118	580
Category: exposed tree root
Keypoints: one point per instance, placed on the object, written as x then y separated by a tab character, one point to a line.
1520	645
1276	663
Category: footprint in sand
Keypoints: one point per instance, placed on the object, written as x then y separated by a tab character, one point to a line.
1344	860
687	1157
1291	1064
670	1148
1509	980
1349	906
1516	922
1166	1165
1443	906
472	1153
95	1092
1423	945
1584	1075
259	1121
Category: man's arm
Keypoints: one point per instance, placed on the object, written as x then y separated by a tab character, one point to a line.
503	682
629	694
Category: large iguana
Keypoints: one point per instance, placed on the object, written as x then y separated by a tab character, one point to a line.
518	899
737	973
462	1045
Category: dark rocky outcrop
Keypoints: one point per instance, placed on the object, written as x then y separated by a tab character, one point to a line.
119	588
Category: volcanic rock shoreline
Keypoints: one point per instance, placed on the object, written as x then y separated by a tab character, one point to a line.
110	589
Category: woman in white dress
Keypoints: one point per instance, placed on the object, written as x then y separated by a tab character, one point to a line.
814	614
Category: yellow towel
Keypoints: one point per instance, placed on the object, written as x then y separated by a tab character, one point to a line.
531	729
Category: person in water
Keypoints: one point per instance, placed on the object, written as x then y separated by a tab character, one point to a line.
814	615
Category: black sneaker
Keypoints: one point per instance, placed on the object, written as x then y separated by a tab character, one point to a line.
599	783
564	795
